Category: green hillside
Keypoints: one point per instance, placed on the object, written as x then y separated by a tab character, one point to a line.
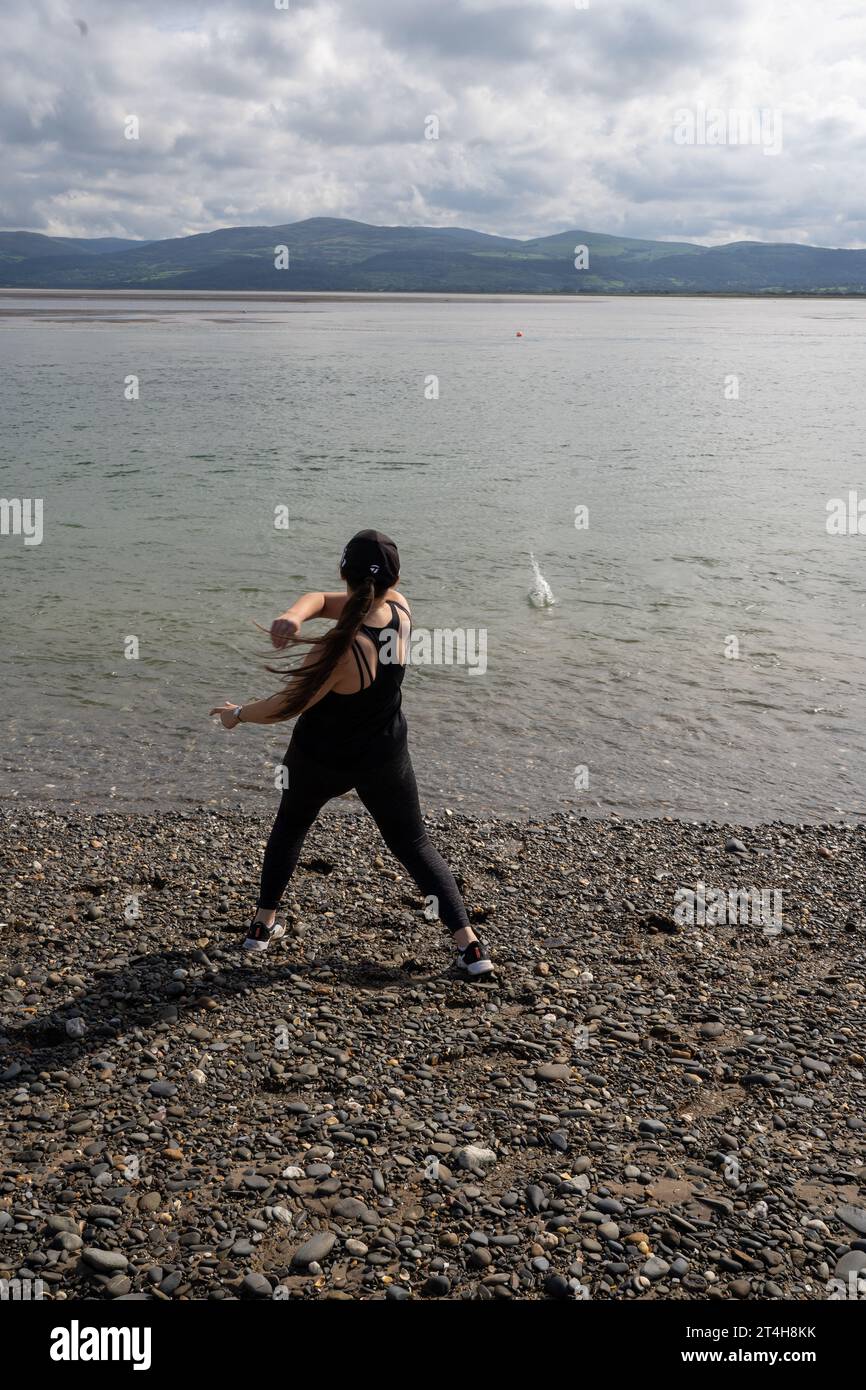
327	253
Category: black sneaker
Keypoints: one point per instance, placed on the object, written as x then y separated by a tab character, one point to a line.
259	937
474	961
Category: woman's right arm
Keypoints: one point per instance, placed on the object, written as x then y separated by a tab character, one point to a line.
270	709
314	605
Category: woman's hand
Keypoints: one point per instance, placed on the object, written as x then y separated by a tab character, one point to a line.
227	715
283	629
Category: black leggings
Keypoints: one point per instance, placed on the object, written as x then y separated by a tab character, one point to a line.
390	795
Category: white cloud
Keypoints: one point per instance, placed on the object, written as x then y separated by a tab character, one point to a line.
551	117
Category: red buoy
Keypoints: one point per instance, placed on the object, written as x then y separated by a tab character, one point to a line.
518	334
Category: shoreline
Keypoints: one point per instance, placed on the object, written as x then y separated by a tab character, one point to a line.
633	1110
408	296
435	810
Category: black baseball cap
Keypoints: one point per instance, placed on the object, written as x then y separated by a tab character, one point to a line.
370	553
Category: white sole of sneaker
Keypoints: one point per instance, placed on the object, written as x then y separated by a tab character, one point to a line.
476	970
252	944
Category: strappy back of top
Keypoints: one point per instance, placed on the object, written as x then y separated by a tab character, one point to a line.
366	724
367	676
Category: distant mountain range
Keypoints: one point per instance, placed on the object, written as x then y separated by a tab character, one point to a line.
329	253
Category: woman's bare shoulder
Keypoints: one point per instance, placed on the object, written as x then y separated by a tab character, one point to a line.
399	598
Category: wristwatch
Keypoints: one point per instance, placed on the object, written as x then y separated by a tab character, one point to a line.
237	713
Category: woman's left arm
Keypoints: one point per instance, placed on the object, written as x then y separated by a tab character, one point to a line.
315	605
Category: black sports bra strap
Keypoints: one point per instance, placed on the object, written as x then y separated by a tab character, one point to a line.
363	656
392	603
359	666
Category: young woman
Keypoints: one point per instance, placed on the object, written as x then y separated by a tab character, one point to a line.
351	734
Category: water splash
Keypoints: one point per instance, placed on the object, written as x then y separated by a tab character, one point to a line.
541	594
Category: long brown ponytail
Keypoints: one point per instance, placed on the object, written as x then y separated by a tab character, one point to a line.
303	682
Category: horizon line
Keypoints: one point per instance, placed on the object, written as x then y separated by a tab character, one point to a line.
420	227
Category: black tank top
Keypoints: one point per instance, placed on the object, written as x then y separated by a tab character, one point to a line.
368	725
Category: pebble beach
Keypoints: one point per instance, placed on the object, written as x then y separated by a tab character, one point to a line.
636	1108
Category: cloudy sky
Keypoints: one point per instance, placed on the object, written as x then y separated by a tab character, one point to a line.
551	116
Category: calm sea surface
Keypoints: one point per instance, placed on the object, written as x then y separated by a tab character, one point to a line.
707	523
